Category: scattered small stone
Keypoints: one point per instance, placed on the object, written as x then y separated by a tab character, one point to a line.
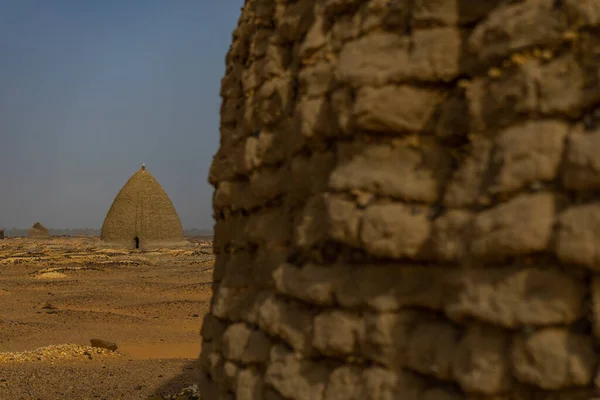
188	393
195	315
52	353
103	344
49	306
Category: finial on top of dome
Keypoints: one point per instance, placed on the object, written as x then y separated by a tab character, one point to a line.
143	166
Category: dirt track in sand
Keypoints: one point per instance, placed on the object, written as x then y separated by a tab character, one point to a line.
69	290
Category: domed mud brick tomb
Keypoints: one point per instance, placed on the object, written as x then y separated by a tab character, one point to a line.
142	216
38	231
406	202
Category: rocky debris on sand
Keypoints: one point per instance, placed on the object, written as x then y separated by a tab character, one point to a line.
103	344
52	353
188	393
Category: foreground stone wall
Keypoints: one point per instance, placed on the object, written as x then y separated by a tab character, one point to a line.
406	202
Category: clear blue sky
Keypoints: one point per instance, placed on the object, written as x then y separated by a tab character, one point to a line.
90	89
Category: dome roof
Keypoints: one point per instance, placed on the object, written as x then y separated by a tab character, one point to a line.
143	213
38	230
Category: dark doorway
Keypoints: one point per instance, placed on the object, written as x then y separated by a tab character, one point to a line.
137	242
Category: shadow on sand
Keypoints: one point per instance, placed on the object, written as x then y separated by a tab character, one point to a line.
188	377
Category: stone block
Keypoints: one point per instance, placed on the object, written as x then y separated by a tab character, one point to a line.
578	237
345	383
595	305
386	337
465	187
517	26
295	21
527	153
375	169
396	109
265	264
316	80
518	227
514	297
328	217
496	102
554	358
395	230
249	385
451	12
246	345
272	101
313	284
482	364
308	176
294	378
236	304
432	348
451	234
291	321
392	287
563	87
212	328
381	58
270	226
236	271
337	333
581	169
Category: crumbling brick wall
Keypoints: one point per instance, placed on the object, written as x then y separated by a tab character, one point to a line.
406	202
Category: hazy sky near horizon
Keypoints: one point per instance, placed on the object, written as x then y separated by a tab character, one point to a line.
90	89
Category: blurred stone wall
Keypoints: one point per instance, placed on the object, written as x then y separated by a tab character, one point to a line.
406	202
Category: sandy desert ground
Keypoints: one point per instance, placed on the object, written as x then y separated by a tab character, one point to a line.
56	294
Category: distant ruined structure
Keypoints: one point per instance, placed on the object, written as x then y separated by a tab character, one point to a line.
142	216
38	231
406	202
1	233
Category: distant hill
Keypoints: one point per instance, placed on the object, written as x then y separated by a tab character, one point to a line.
19	232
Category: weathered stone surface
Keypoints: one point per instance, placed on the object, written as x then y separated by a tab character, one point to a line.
451	12
349	383
451	234
497	102
482	363
290	321
554	358
520	226
386	337
396	109
395	230
243	344
380	58
311	283
582	166
517	26
392	287
328	217
527	153
431	348
236	304
595	304
579	235
405	196
375	169
337	333
295	378
515	297
249	385
466	185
